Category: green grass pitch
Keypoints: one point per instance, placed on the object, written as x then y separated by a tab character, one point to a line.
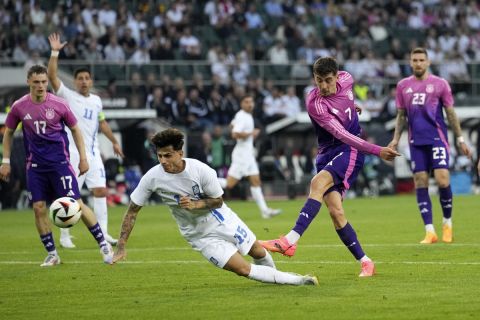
164	279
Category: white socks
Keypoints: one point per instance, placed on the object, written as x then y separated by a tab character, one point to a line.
447	221
292	237
429	228
64	233
265	261
270	275
223	182
257	195
100	209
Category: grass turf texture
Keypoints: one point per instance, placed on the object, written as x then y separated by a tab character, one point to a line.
164	279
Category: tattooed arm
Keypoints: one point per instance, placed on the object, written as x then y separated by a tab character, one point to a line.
207	203
127	226
399	125
457	131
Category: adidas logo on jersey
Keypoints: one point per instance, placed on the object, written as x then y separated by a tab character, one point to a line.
409	90
70	193
443	162
27	117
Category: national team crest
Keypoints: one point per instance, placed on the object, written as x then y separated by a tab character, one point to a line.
196	190
50	114
350	94
430	88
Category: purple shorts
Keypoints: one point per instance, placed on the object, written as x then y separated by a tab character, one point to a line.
48	184
344	163
433	156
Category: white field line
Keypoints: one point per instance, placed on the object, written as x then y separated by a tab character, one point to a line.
466	263
186	247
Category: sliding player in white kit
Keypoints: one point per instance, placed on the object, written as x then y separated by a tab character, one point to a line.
87	108
191	190
243	156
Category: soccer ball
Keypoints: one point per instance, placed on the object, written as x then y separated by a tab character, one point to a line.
65	212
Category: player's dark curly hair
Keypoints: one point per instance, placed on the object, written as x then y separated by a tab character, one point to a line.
38	69
80	70
170	137
324	66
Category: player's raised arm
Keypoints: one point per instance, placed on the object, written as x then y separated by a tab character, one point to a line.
127	226
457	131
107	131
5	167
56	46
399	125
78	138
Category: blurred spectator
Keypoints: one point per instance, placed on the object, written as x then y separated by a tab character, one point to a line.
93	54
291	103
254	20
180	110
37	15
106	15
113	52
198	112
128	42
20	53
140	56
221	69
278	54
189	45
136	92
37	41
156	102
273	8
273	106
95	28
34	59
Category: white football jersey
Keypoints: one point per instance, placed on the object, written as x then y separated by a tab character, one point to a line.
243	122
197	181
86	110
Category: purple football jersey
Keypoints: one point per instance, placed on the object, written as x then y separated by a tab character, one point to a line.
423	101
335	119
43	126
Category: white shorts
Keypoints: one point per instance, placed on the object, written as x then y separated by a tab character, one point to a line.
222	242
95	176
243	168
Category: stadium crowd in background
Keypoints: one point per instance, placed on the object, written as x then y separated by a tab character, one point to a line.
370	39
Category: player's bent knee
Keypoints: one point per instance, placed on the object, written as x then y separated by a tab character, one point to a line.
257	251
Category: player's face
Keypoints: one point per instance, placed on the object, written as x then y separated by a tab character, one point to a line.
326	84
170	159
247	104
38	85
83	83
419	63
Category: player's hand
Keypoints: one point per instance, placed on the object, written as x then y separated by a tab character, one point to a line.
393	145
255	133
388	153
358	108
83	166
186	203
120	254
117	150
5	170
465	150
55	43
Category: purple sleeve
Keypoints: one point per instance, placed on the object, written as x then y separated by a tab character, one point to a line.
329	123
447	97
12	118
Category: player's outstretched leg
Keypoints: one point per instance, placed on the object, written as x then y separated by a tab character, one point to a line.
241	267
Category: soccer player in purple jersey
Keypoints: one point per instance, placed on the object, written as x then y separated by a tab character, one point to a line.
421	99
49	173
340	158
